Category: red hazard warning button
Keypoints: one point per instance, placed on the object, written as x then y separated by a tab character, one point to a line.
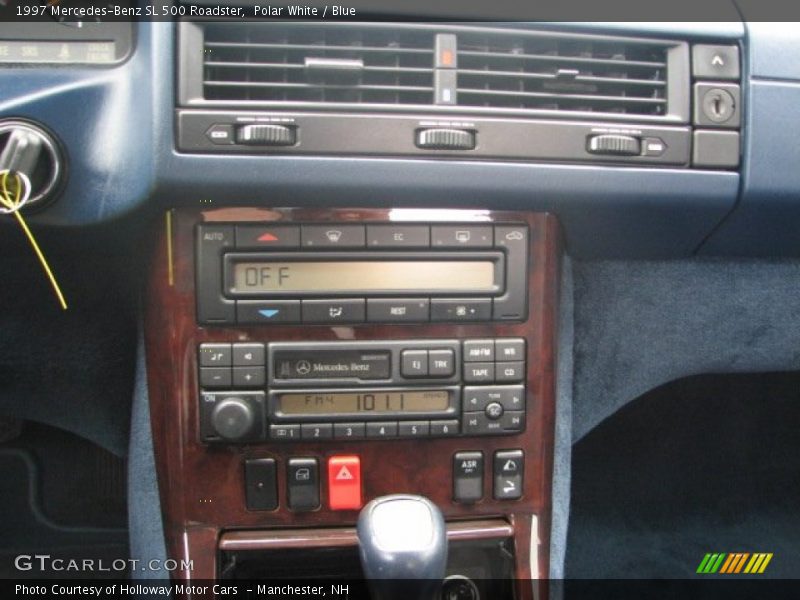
344	482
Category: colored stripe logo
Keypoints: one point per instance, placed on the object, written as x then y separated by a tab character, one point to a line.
733	563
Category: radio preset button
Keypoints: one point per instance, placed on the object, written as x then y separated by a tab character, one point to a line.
411	309
510	349
462	236
467	309
478	350
333	236
479	372
445	428
284	433
264	312
267	236
387	429
414	428
510	372
398	236
249	376
349	431
316	431
215	355
215	377
414	363
248	355
441	363
349	310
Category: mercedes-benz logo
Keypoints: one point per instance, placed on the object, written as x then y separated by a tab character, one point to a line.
303	367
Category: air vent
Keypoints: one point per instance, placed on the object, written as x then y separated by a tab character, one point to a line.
284	63
394	68
563	73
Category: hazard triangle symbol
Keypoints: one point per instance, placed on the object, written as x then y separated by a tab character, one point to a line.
344	473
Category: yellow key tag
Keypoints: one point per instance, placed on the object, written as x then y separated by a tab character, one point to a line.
12	200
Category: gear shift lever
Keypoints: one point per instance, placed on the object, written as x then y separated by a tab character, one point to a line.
403	546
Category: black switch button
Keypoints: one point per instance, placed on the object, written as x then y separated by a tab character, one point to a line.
510	349
215	377
334	311
333	236
478	350
248	355
414	363
390	310
302	475
215	355
473	309
479	372
263	312
508	467
441	363
462	236
261	490
510	372
398	236
267	236
468	477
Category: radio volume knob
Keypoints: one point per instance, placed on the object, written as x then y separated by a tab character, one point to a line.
233	419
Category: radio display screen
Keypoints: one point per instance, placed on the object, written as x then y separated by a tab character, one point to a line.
361	276
372	402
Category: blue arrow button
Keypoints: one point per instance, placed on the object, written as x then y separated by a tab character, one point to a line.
268	312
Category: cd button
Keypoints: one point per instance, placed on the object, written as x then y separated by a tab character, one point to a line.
510	372
333	311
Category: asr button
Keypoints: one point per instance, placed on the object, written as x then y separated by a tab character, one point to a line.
468	476
344	482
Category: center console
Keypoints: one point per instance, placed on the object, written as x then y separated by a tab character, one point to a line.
303	362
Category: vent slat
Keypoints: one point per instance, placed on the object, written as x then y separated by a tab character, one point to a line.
266	65
383	88
569	59
580	97
317	47
551	77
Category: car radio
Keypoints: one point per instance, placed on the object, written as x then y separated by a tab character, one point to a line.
259	274
289	391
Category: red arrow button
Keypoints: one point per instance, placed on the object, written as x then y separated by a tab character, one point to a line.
344	482
268	237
